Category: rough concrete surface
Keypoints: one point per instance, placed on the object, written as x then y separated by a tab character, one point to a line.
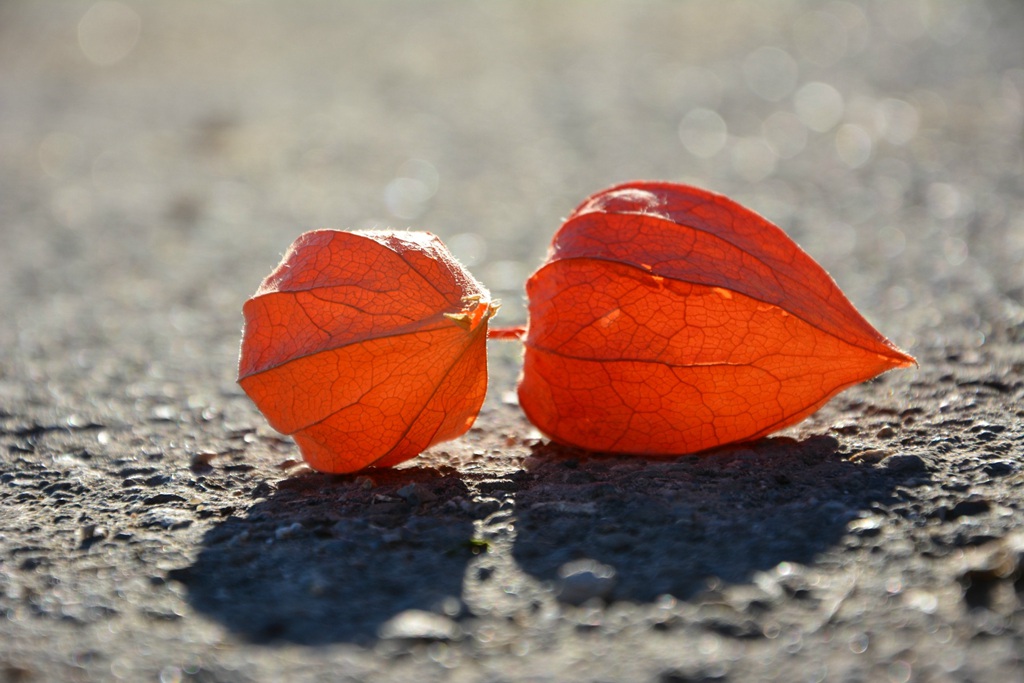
156	158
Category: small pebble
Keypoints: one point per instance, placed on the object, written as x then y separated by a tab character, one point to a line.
874	455
166	518
886	433
90	533
415	494
907	464
583	580
866	526
290	531
203	460
414	624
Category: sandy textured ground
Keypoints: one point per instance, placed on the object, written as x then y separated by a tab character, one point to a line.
156	159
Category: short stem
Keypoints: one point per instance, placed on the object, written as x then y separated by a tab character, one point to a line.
514	333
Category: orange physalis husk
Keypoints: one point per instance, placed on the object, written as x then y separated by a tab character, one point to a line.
669	320
366	347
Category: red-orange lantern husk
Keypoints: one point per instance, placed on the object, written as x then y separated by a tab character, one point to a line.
668	320
366	347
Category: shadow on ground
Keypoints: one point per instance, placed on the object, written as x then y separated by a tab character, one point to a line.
672	527
326	559
329	559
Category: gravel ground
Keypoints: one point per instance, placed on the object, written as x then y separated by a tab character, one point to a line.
156	159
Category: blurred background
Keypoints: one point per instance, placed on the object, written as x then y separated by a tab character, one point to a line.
156	158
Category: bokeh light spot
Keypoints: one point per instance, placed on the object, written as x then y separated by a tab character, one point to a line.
853	145
703	132
770	72
108	32
785	133
752	159
819	106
